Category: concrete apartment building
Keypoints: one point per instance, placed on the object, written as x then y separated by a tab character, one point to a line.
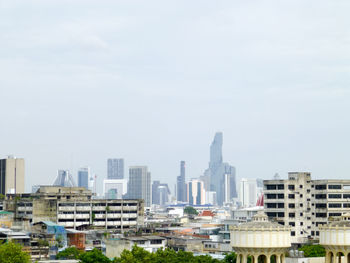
305	204
73	207
11	175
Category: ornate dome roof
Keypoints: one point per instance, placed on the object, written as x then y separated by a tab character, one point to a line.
260	221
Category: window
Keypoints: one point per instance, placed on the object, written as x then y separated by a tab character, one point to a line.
271	205
280	187
334	214
291	187
271	187
334	196
321	187
270	196
271	214
292	223
301	186
321	196
317	233
300	205
292	233
291	205
321	214
301	232
280	214
301	214
334	186
280	205
321	206
346	205
346	195
156	242
280	196
312	233
334	205
291	196
301	223
291	214
301	195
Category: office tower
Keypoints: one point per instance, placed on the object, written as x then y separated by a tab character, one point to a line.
160	193
196	192
139	186
114	188
115	169
11	175
64	178
248	192
305	204
83	177
181	194
92	183
214	176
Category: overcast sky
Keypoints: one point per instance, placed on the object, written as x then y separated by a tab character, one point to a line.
152	81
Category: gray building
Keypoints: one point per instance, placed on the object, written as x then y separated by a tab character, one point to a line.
305	204
83	177
115	169
160	193
139	186
11	175
64	179
214	176
181	194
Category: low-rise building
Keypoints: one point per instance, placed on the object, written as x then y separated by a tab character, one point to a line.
73	207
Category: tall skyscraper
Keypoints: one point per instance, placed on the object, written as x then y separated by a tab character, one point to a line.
160	193
115	169
196	192
139	186
248	192
214	177
83	177
181	194
64	178
11	175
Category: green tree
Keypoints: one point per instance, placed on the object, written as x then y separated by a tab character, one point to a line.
12	253
230	258
313	251
190	210
94	256
69	253
136	255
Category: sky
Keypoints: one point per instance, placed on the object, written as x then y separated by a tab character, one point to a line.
152	81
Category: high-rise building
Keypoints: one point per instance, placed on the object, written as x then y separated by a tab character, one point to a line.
160	193
214	176
248	192
196	192
139	186
114	188
83	177
181	194
64	178
115	169
11	175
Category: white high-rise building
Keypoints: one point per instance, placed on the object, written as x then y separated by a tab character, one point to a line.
114	188
195	192
248	192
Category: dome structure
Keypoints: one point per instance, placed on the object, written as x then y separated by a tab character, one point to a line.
335	238
260	239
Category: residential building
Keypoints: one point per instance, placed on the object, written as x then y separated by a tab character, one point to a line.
115	169
181	194
73	207
11	175
305	204
83	177
64	179
214	176
139	186
195	192
114	188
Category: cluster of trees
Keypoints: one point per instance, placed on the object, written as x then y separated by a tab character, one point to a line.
140	255
12	253
313	251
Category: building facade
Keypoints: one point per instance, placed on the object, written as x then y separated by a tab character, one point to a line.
11	175
196	192
115	169
73	207
83	177
181	194
305	204
249	192
64	179
139	185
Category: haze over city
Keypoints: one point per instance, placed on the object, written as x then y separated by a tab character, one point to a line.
153	81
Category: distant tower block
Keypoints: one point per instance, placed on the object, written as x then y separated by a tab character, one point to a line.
64	178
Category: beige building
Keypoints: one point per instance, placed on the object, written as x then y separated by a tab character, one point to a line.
305	204
261	240
11	175
73	207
